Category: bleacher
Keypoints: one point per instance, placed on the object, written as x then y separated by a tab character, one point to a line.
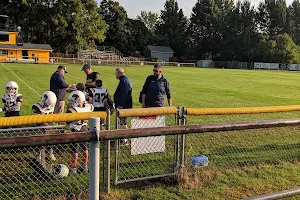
102	53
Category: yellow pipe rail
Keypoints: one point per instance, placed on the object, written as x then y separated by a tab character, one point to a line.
144	112
41	119
244	110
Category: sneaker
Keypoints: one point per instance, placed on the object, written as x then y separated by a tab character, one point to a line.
124	142
102	127
52	157
83	169
73	170
39	158
123	127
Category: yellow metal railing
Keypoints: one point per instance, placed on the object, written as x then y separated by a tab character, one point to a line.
243	110
144	112
40	119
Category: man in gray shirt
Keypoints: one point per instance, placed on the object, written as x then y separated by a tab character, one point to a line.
59	86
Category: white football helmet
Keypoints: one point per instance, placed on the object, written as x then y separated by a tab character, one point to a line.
12	84
49	99
76	97
59	170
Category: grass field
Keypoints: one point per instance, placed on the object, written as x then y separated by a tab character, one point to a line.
194	87
191	87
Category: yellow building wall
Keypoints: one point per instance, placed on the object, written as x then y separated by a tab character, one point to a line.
12	37
42	56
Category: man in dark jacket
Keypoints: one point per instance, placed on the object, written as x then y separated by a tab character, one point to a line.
59	86
91	76
154	89
123	94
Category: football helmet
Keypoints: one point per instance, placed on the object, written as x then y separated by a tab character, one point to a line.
59	170
76	97
49	99
12	84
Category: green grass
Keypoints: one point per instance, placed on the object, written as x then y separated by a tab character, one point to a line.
242	163
191	87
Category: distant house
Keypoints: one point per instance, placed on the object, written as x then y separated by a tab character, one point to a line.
163	53
13	49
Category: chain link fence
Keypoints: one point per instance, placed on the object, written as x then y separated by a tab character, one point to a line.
207	154
149	157
41	172
25	173
46	172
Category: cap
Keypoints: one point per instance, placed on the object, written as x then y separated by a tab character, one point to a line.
62	67
85	66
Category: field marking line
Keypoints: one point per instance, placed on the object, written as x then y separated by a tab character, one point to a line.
21	80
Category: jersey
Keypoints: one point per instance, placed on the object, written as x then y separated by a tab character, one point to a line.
92	77
77	125
12	102
40	108
98	95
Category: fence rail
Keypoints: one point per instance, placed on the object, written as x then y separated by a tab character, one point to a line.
178	134
60	60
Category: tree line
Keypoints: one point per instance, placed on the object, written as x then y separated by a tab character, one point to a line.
220	28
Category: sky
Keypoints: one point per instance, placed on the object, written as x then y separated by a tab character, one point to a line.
134	7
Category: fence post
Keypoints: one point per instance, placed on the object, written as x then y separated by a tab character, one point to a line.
177	137
182	139
116	151
94	160
107	162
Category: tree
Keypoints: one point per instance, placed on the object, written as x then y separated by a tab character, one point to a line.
149	18
294	21
243	31
65	25
77	25
139	36
278	49
116	17
171	28
272	17
204	28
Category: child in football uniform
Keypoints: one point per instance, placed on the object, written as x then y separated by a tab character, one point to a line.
78	105
81	87
44	107
12	100
100	98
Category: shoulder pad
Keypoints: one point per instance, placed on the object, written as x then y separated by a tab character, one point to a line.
36	109
20	98
92	107
71	110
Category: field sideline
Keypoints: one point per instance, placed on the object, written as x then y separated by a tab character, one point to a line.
195	87
191	87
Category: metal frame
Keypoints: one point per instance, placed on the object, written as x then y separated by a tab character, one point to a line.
95	135
117	151
276	195
107	156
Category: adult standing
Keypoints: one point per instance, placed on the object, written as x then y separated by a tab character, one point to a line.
154	89
59	86
123	93
91	76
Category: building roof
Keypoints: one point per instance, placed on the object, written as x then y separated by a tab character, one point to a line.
164	49
26	46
